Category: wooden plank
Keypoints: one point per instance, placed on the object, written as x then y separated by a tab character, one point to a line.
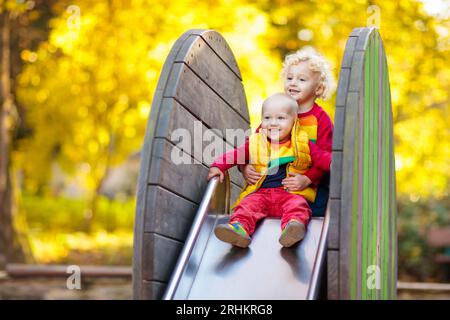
204	62
202	101
347	249
152	290
351	114
18	270
349	51
390	282
178	178
169	214
140	215
333	275
375	105
333	231
335	180
342	91
423	286
167	67
222	49
369	214
363	39
393	209
379	161
207	94
386	175
359	154
175	117
154	113
351	200
339	123
383	228
185	179
374	136
364	236
356	73
362	191
385	189
159	257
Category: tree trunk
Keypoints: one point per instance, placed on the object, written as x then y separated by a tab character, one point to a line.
92	208
95	196
10	249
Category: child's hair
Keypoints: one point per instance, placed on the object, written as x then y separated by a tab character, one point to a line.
317	63
283	98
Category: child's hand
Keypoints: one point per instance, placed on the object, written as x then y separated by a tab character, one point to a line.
296	182
250	174
214	171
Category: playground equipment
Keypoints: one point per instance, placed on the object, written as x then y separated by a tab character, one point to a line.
348	254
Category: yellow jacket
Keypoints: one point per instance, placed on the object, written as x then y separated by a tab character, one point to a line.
261	153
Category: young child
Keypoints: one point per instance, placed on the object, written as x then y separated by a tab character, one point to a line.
281	147
307	76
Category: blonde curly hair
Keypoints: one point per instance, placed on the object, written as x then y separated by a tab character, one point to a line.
317	63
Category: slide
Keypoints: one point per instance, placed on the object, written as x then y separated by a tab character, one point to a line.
211	269
200	88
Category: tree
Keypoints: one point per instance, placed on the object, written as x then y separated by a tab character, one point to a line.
417	45
17	32
85	91
9	248
88	89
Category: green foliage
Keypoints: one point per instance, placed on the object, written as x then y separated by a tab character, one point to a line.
99	247
55	225
87	90
416	257
60	214
86	93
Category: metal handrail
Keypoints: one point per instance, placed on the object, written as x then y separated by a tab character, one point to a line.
191	239
320	258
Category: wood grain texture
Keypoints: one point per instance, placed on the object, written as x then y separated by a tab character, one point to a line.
333	274
200	87
362	178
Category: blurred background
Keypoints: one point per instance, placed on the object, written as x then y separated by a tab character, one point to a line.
77	82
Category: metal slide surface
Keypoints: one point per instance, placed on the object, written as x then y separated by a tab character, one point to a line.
264	270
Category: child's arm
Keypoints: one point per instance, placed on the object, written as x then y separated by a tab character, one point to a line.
324	142
214	171
249	173
239	155
242	166
321	159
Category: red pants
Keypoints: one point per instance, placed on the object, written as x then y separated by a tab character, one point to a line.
271	202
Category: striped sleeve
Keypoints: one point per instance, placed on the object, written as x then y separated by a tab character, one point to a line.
324	142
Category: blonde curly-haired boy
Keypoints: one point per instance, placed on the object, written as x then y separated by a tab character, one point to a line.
307	76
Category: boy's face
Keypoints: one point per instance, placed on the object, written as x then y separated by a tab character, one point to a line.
277	121
301	83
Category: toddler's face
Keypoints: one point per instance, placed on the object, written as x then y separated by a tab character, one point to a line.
277	121
301	83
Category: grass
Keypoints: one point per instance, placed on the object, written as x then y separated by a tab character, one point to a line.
56	235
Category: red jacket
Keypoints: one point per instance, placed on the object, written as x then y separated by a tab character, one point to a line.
320	159
320	132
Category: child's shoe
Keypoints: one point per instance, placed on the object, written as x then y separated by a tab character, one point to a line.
293	232
233	233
